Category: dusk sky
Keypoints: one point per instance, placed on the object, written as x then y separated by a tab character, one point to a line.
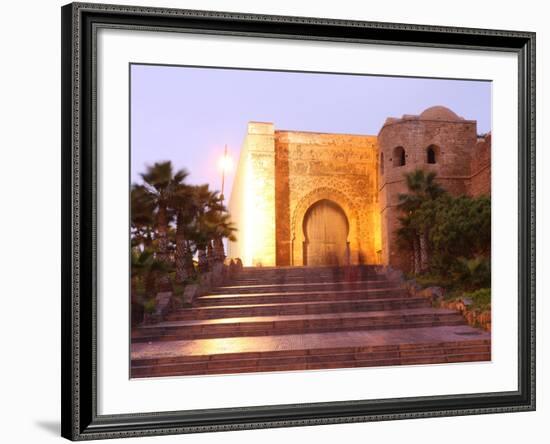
187	115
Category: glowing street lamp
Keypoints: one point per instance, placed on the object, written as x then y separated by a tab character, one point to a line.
226	164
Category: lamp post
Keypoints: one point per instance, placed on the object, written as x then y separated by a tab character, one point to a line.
225	165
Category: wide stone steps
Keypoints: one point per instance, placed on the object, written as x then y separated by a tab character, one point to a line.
296	324
296	318
297	308
316	358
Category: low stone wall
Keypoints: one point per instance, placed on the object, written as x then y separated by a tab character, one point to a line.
475	318
166	301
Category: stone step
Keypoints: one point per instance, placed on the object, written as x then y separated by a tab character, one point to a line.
297	280
316	358
306	274
297	308
300	296
304	364
298	286
324	343
360	352
297	269
285	325
304	269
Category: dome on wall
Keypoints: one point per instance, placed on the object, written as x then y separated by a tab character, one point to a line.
439	113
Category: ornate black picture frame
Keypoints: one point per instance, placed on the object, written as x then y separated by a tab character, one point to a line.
80	419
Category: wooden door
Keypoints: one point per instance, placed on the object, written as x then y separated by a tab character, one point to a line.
326	232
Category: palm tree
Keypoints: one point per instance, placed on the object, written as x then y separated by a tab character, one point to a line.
224	229
185	207
205	200
219	227
211	225
422	188
159	183
407	239
141	219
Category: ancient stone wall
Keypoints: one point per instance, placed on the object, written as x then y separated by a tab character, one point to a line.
480	183
338	167
252	203
281	174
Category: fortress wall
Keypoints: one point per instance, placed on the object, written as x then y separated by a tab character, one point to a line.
480	184
282	173
315	166
252	202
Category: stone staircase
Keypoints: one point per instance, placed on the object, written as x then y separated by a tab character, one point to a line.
294	318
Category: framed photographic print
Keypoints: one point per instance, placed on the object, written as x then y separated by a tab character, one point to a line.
279	221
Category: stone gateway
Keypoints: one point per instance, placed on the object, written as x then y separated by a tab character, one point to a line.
305	198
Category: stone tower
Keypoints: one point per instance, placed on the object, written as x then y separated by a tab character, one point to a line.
252	202
437	140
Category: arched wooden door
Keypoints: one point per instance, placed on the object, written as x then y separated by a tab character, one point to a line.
326	235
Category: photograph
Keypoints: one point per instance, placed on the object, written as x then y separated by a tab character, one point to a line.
285	221
290	218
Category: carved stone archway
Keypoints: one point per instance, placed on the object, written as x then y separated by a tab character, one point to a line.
297	234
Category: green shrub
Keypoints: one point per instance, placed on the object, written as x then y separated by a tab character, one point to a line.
437	229
481	299
150	305
472	274
178	289
434	280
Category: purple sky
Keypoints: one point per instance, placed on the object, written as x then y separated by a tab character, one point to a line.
186	115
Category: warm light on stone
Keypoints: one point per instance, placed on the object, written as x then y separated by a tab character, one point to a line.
282	175
252	202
